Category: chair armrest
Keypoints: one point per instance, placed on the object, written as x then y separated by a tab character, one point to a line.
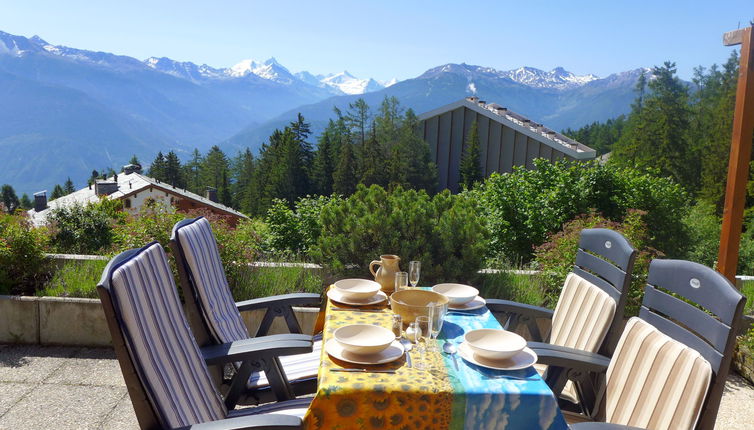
602	426
520	313
256	348
293	299
569	358
507	306
252	422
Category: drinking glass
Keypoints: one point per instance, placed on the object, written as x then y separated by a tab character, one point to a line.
422	333
397	326
414	334
436	318
401	281
414	270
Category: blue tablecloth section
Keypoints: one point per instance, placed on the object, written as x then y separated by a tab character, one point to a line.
486	397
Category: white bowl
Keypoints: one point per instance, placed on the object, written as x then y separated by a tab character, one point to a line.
494	344
457	294
357	289
363	339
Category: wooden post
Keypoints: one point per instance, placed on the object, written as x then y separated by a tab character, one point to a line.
740	155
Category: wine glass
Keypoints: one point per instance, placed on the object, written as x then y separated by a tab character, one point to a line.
401	280
414	270
436	319
414	334
422	322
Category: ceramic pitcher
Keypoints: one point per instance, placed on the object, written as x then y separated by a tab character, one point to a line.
385	275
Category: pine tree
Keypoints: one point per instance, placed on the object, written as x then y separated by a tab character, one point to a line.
157	168
422	171
26	202
224	191
68	187
57	192
374	162
214	165
243	173
173	172
134	160
193	172
344	177
10	200
471	166
323	164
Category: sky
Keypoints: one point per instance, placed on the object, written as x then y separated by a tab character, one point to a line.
393	39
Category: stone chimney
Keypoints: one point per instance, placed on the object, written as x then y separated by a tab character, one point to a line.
40	201
211	194
105	188
131	168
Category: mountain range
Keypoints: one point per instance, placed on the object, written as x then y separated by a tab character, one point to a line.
66	111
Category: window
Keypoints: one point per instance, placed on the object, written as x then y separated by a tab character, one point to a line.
127	203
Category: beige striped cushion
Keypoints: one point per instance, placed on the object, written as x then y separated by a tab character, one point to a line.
582	316
655	382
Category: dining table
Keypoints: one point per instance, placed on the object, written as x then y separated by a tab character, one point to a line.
448	392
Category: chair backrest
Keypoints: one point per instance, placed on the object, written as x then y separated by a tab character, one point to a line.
673	296
209	303
589	313
167	378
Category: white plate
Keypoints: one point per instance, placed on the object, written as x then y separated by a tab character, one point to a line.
337	296
522	360
392	353
477	303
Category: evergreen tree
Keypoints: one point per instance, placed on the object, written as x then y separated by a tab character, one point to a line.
10	200
344	177
375	165
422	171
657	133
57	192
225	196
173	172
134	160
26	202
193	172
471	166
214	165
157	168
243	173
323	164
68	187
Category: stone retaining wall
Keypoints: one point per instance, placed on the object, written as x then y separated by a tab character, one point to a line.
81	322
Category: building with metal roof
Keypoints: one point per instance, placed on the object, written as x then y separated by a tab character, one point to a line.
506	139
134	190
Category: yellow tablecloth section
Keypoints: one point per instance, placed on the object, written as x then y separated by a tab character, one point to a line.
408	399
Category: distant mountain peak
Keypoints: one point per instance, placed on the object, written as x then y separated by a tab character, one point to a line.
557	78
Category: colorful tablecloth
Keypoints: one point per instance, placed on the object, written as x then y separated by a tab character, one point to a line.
439	397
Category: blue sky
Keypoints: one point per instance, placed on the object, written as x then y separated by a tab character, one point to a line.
385	39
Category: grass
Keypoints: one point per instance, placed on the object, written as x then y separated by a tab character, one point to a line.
254	282
748	290
75	278
522	288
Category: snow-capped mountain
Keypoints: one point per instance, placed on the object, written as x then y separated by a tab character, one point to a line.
349	84
557	78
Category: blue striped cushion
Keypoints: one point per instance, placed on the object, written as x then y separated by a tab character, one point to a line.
206	269
160	343
298	367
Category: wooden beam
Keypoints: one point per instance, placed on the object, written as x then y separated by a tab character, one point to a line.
740	155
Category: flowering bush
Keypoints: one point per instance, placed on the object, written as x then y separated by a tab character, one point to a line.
22	263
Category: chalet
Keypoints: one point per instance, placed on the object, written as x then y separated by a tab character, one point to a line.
506	139
134	190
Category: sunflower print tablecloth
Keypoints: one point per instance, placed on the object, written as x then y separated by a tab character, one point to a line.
439	397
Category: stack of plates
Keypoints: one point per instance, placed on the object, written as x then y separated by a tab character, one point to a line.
336	296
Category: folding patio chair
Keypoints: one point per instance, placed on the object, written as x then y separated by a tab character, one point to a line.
671	362
589	313
216	318
165	372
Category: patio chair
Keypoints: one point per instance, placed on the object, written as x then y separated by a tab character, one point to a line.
165	372
671	362
216	318
589	313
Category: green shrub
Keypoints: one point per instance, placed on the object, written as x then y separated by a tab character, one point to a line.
523	207
444	232
84	229
508	284
23	266
294	232
153	221
556	257
703	227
